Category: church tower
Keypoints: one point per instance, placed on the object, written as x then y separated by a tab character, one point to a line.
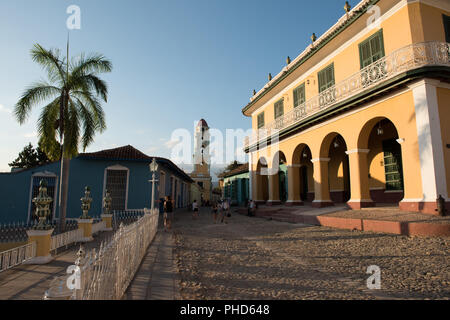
202	161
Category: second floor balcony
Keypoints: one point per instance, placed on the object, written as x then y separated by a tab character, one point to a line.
405	59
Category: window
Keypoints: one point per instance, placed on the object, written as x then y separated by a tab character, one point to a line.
51	186
116	182
447	27
279	108
371	49
260	120
299	95
326	78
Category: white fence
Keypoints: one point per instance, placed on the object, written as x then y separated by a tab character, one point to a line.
66	238
106	273
17	256
99	226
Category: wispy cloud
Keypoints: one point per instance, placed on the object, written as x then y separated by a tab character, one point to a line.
33	134
4	109
171	143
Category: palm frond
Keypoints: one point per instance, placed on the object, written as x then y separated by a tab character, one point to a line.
35	94
50	61
93	63
95	108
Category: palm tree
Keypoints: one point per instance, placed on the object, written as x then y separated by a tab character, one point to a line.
72	107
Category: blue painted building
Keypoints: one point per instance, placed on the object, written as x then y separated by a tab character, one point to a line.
236	185
123	171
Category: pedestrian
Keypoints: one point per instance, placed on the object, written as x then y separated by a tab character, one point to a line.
214	209
168	209
195	208
225	210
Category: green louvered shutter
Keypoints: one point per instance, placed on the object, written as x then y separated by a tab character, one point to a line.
299	95
279	108
326	78
371	49
260	120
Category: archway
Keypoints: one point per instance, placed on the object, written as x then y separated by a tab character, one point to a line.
384	160
303	175
334	148
262	182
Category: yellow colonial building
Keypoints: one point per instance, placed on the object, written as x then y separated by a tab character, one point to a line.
362	115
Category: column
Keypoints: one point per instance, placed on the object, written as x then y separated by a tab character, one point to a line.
274	189
294	186
86	226
431	152
43	240
321	186
359	179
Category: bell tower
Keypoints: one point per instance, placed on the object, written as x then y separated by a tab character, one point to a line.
202	161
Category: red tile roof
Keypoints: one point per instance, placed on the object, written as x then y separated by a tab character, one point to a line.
123	153
241	169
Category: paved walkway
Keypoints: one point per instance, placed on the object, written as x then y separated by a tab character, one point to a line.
156	278
29	282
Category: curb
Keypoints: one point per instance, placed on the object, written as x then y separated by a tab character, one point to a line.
405	228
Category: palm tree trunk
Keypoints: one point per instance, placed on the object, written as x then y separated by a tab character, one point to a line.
63	192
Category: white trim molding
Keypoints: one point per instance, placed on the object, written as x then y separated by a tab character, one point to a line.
320	159
357	151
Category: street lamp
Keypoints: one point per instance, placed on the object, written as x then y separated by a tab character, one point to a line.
153	168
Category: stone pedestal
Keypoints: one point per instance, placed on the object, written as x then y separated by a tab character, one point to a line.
86	225
43	239
107	218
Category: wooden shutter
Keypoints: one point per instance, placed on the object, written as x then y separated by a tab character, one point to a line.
279	108
326	78
260	120
371	49
299	95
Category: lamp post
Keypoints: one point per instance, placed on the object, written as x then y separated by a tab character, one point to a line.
153	168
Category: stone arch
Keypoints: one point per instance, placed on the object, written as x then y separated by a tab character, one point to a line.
262	183
302	174
380	137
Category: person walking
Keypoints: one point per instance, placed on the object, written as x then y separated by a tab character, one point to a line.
251	208
168	209
214	209
225	210
195	208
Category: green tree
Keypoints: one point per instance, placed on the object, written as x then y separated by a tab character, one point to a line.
71	107
30	157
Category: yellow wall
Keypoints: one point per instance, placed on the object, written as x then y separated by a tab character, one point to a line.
443	96
427	22
352	127
11	245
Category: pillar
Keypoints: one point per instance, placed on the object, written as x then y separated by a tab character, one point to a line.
294	186
359	179
43	239
321	185
431	152
86	226
107	218
274	189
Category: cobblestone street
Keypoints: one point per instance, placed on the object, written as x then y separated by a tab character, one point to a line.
253	258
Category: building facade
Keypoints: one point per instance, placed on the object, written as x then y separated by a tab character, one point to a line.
236	185
123	171
360	116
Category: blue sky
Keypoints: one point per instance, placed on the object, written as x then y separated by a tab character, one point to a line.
175	61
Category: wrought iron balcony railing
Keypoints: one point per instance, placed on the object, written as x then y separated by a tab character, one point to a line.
404	59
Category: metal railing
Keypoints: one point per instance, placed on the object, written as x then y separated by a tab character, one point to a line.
65	239
17	256
99	226
106	273
126	217
404	59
